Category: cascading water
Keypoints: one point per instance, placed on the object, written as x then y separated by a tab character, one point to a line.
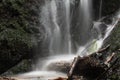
85	20
56	18
102	31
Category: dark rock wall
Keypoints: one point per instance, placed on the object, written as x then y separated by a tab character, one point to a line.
108	7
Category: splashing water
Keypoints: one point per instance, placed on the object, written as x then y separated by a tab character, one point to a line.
62	43
96	43
41	75
56	17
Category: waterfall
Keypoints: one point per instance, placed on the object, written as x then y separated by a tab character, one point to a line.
85	20
57	16
93	37
68	36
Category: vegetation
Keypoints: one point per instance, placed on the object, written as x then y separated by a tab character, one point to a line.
115	38
20	32
18	25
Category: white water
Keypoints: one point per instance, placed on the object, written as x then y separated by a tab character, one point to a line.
96	43
56	18
41	75
54	59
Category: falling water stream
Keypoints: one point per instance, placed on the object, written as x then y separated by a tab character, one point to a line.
56	18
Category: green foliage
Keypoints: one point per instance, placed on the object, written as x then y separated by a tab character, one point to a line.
114	77
13	21
22	67
114	72
16	17
18	24
19	68
115	38
14	39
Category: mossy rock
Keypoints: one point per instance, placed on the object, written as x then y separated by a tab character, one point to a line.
16	33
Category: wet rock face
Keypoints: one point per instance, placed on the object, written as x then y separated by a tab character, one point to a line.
61	66
18	23
107	7
89	67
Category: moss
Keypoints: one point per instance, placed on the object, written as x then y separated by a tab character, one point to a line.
22	67
16	19
115	38
114	41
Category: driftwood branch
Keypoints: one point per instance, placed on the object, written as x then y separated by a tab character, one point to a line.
109	58
75	61
103	49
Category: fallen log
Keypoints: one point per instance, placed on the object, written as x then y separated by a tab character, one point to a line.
89	67
109	58
75	61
